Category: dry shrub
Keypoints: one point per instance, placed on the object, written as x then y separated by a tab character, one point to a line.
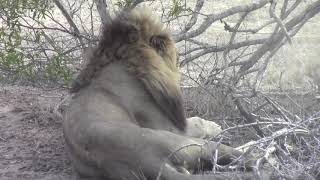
292	128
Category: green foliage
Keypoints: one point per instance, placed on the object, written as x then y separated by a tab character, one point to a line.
178	7
121	4
13	10
11	59
16	63
13	62
57	69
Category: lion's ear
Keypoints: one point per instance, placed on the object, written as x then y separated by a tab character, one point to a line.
167	96
158	42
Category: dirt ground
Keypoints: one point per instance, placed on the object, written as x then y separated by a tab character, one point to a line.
31	139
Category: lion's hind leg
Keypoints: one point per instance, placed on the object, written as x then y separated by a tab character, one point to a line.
121	151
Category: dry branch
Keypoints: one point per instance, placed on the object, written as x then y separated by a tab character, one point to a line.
214	17
194	17
70	21
103	12
277	37
248	116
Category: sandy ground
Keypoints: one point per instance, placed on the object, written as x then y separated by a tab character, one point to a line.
31	140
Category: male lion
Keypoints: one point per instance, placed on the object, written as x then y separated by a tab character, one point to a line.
126	119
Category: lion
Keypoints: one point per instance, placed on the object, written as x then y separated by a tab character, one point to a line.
126	119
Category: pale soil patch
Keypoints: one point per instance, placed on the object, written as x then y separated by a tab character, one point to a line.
31	139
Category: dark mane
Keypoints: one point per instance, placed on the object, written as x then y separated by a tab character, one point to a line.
114	36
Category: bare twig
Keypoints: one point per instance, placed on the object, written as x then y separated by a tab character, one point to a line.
278	20
275	106
253	30
249	117
277	134
212	49
233	35
70	21
257	124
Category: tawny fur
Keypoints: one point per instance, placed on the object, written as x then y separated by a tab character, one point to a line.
140	41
